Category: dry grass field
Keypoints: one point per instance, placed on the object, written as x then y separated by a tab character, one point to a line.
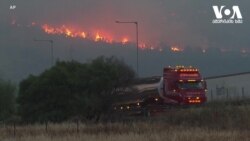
122	132
210	123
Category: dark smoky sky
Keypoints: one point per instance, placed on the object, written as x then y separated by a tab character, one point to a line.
169	22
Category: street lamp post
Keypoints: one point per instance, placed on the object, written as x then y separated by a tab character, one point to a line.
137	41
51	46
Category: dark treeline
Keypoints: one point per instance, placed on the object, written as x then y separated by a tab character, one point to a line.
7	99
68	90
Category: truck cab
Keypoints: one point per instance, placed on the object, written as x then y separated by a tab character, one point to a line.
183	86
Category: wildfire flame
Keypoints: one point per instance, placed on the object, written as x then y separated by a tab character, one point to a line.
142	45
124	40
83	35
74	33
96	36
101	36
176	49
63	30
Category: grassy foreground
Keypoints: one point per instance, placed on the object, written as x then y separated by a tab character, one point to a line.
223	122
123	132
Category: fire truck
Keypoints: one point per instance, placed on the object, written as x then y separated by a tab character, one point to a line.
178	86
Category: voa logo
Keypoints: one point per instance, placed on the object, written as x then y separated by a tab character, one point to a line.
227	15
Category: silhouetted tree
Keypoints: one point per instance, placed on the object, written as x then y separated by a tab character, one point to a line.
72	89
107	75
7	100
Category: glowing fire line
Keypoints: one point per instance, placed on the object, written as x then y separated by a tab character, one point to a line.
73	33
101	37
95	36
98	36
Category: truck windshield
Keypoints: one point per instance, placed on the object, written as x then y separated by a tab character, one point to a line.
190	85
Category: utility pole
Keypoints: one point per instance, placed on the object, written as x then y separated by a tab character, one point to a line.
137	41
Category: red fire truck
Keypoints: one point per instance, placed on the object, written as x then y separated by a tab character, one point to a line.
178	86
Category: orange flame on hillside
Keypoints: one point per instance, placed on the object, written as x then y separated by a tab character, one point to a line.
63	30
108	38
73	33
83	35
124	40
103	37
96	36
176	49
